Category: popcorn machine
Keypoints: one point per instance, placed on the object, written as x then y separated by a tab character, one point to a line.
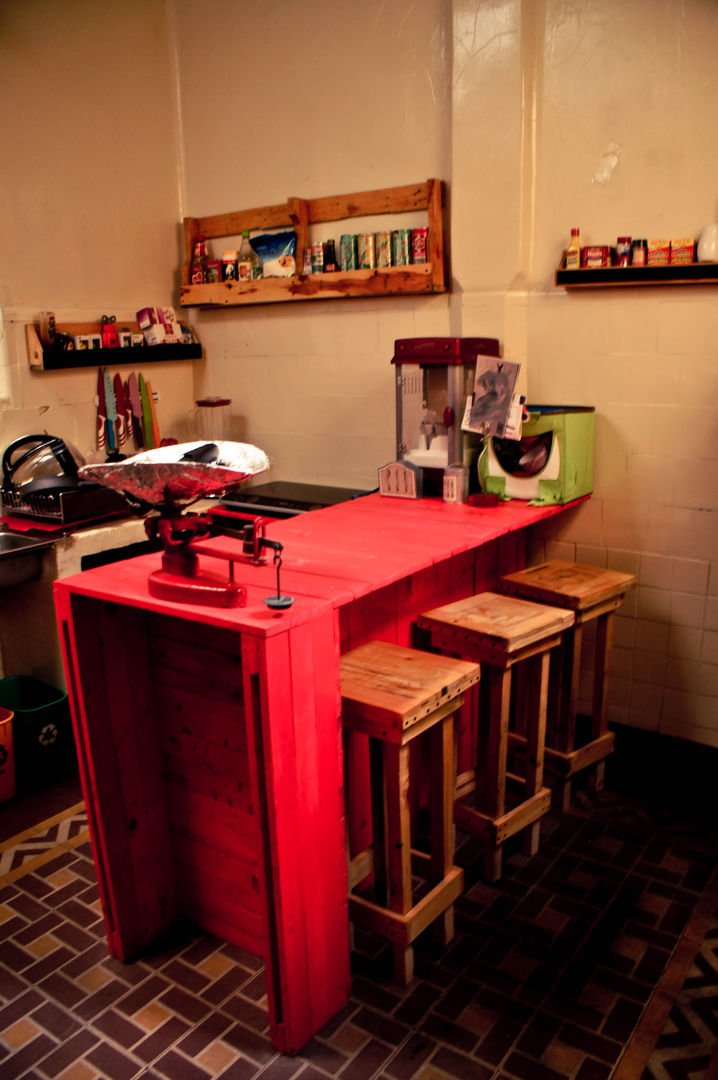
434	377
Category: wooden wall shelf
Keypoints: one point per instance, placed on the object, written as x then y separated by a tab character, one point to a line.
702	273
299	214
41	358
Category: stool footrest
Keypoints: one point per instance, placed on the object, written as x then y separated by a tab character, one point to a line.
405	928
499	829
568	763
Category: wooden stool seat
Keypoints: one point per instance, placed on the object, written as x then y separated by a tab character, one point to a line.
394	695
500	632
591	593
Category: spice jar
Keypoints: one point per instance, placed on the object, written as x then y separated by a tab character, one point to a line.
229	266
638	253
623	251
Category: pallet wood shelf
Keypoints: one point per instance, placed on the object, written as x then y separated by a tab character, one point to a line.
699	273
416	278
41	358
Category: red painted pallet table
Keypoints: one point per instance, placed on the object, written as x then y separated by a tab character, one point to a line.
209	738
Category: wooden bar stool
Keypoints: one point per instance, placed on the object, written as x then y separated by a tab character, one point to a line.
591	593
500	632
394	695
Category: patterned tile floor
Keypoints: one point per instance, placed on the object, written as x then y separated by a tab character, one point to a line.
552	975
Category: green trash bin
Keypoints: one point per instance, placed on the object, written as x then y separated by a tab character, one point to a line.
43	742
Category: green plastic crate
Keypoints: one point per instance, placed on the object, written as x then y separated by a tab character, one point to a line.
44	745
564	436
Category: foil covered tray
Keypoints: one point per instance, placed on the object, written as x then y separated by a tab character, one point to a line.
173	477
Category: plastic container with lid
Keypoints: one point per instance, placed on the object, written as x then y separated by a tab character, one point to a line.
210	418
623	251
229	266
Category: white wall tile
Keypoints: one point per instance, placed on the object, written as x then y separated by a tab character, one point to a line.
687	609
678	707
653	603
628	562
591	556
707	681
711	614
656	570
648	667
685	641
652	636
709	651
624	630
691	575
682	673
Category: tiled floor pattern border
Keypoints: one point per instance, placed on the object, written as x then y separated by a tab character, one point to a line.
43	842
550	973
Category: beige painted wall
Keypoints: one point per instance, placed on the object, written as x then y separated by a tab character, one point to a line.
540	115
89	178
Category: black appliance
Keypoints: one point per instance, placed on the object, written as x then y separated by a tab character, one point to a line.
283	498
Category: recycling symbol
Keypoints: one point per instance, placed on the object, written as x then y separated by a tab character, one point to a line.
48	735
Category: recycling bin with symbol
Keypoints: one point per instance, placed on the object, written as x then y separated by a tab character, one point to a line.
43	743
7	758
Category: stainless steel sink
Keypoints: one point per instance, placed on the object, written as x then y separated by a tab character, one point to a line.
20	557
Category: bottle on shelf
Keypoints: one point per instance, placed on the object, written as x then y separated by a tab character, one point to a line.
330	258
249	264
573	251
198	272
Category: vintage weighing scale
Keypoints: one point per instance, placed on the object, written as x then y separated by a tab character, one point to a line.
434	376
162	483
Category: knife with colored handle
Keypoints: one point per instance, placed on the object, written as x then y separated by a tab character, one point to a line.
101	410
129	427
136	407
146	412
121	410
111	413
153	411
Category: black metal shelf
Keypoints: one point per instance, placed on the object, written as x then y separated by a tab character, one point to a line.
700	273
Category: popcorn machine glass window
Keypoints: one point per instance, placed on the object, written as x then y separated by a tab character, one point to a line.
434	376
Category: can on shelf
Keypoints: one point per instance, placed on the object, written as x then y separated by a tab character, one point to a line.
229	266
317	257
401	247
419	242
366	251
383	249
348	252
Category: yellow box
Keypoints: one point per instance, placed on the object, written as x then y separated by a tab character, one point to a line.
682	251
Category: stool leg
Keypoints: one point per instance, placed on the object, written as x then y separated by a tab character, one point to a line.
398	848
491	765
443	783
599	711
538	675
562	725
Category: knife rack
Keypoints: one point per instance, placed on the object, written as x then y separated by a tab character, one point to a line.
41	358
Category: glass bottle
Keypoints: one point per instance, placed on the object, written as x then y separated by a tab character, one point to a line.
573	251
249	264
198	272
330	258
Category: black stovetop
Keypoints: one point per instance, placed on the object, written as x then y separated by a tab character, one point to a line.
288	497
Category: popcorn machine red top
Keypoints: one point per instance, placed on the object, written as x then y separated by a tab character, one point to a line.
434	376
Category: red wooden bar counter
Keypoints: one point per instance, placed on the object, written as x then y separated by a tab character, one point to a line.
209	739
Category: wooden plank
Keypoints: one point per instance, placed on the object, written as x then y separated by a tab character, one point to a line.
388	281
405	928
366	203
121	774
397	839
226	828
496	622
569	584
398	687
